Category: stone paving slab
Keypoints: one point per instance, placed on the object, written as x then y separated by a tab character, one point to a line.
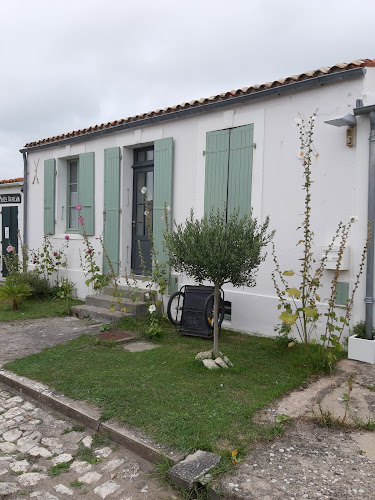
46	456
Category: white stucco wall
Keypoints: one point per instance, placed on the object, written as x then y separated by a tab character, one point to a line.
339	191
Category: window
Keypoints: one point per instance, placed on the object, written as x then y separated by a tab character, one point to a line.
72	184
228	176
227	310
79	185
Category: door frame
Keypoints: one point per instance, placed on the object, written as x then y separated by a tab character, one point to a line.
13	233
141	164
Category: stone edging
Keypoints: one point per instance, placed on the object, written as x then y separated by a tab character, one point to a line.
89	416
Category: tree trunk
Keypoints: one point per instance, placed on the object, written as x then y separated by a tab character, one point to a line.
216	320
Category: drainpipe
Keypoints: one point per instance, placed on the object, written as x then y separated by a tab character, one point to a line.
24	155
369	300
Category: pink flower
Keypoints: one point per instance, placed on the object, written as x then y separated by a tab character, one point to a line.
10	248
67	237
55	254
162	217
89	251
78	206
34	261
168	208
81	220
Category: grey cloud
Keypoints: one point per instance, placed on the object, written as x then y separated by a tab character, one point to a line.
68	65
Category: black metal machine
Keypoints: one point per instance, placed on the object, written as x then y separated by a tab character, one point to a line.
191	309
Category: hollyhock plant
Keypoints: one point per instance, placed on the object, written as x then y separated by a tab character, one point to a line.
48	261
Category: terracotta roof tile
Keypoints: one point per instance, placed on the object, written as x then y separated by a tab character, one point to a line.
225	95
10	181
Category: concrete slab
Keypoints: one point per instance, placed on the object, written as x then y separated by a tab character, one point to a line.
140	346
24	337
187	473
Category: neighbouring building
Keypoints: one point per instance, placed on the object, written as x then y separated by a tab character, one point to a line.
11	211
238	148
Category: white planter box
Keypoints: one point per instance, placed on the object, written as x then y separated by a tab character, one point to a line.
361	349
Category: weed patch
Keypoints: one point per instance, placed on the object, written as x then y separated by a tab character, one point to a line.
58	469
86	454
76	484
74	428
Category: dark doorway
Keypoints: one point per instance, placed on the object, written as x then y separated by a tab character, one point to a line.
143	177
9	232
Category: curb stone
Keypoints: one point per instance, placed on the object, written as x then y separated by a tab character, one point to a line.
89	416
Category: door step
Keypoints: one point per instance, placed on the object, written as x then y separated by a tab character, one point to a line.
97	307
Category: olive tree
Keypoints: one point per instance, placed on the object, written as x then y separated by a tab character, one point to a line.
218	249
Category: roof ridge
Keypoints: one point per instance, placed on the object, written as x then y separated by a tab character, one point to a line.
205	100
9	181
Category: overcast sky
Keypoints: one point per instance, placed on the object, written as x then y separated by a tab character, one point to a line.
70	64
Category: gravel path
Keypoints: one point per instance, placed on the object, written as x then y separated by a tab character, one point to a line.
309	461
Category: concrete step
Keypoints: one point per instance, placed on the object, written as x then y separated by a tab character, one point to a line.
129	292
100	314
137	309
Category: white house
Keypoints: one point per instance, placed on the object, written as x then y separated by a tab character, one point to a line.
11	216
238	148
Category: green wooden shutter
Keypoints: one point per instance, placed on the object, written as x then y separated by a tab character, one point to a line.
216	174
49	196
111	237
163	187
86	193
342	293
240	169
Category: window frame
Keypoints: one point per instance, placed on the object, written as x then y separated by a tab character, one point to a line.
68	206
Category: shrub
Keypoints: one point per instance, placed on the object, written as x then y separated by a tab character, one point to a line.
14	292
40	285
360	330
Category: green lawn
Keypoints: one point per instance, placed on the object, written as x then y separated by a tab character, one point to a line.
33	308
168	394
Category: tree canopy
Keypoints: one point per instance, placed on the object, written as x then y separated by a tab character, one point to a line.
219	250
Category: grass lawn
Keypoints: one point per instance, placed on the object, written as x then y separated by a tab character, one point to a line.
33	308
168	394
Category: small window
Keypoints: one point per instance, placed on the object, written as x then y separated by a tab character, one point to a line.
227	310
144	156
72	195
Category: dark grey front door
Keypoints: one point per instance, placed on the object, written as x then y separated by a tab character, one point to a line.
143	177
9	232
